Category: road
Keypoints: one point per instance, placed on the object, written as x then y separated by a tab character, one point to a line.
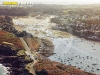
29	53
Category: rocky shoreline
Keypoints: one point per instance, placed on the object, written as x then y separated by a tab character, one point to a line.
15	63
10	47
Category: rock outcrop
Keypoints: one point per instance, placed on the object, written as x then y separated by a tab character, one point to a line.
47	47
10	46
54	68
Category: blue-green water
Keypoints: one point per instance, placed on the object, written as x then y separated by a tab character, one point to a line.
3	70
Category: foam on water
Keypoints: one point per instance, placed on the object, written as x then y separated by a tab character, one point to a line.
3	70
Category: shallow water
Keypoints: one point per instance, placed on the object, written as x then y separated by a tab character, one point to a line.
83	54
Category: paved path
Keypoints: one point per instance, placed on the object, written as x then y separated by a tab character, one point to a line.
29	53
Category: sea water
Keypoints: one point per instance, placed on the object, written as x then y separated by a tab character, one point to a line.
3	70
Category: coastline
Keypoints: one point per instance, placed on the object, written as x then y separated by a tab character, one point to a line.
5	69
